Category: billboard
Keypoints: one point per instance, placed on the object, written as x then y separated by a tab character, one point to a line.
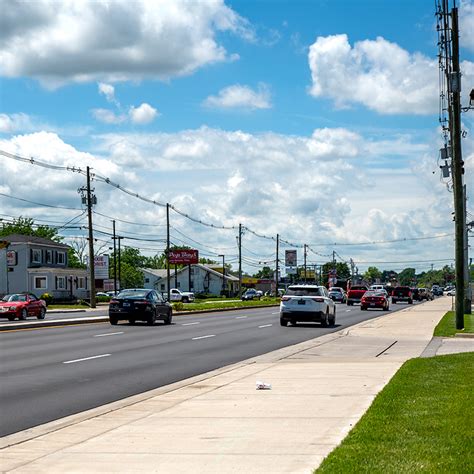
101	267
184	256
290	258
11	258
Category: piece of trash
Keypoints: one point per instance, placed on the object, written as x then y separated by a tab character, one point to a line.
263	386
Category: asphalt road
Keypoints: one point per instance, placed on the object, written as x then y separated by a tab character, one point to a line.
50	373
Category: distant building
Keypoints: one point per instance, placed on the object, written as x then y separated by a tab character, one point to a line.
201	279
37	265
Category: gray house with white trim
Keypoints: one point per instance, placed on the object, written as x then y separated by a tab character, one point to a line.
38	265
197	278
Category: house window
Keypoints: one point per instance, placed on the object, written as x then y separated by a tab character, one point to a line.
41	283
36	256
61	283
147	280
162	287
81	283
49	256
61	258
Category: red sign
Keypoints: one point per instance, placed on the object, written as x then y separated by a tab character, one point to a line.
184	256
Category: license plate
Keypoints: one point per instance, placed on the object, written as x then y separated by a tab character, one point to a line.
372	304
301	302
126	305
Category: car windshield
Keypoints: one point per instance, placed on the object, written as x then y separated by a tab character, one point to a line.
335	290
133	294
251	291
303	291
374	293
14	298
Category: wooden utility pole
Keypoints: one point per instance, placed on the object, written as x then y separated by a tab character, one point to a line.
277	264
240	259
91	240
454	89
305	276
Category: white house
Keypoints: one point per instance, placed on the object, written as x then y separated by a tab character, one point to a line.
202	279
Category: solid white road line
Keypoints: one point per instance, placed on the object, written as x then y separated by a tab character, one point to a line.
108	334
203	337
278	312
266	326
86	358
241	317
347	310
190	324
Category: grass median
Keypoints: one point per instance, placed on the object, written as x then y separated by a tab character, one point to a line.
225	304
420	422
447	326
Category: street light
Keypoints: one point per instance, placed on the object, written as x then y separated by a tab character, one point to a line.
223	273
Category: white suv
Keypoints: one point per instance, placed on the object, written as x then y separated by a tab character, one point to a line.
307	303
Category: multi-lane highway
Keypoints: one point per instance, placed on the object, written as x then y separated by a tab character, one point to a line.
50	373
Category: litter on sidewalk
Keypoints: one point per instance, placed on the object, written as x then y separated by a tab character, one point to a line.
263	386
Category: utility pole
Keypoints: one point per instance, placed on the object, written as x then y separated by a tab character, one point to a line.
119	264
91	240
305	263
277	264
168	250
114	238
467	269
454	90
240	259
223	274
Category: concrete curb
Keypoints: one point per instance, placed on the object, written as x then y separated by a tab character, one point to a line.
103	319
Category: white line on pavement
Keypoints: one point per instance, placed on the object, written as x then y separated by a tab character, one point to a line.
190	324
86	358
347	310
203	337
108	334
278	312
240	317
266	326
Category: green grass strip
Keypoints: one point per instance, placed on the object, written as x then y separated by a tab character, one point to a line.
447	326
223	304
421	422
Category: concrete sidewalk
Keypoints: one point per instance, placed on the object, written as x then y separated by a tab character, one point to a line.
219	423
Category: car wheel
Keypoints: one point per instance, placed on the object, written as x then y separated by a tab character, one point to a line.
11	318
131	321
394	301
332	319
23	314
283	322
386	308
42	313
169	318
410	301
113	321
151	319
325	320
185	299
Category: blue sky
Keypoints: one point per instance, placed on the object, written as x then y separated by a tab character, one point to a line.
313	119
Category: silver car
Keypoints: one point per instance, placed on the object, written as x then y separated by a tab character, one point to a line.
307	303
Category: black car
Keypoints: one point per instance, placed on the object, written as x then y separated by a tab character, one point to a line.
140	304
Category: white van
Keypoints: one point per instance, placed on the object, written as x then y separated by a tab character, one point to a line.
377	287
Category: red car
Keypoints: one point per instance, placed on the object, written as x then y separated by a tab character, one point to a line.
374	299
22	305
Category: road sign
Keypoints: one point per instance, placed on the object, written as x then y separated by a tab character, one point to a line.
184	256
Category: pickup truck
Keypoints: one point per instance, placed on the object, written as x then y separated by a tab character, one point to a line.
355	294
182	296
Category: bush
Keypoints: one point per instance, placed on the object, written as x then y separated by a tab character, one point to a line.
178	306
47	298
103	299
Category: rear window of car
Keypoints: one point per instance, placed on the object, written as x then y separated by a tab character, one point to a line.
359	288
335	290
303	291
133	294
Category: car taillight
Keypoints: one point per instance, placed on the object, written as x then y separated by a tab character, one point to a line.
285	298
114	302
318	300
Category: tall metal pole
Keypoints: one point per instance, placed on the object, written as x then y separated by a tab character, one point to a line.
114	238
240	259
168	249
305	263
277	269
467	270
454	81
91	240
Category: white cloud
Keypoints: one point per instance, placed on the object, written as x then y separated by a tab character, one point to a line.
377	74
142	114
108	90
108	116
52	41
238	96
466	24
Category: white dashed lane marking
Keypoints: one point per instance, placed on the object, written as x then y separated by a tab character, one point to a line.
240	317
86	358
266	326
203	337
190	324
108	334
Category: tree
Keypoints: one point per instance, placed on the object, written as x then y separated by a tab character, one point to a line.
407	277
372	274
27	226
342	270
264	274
